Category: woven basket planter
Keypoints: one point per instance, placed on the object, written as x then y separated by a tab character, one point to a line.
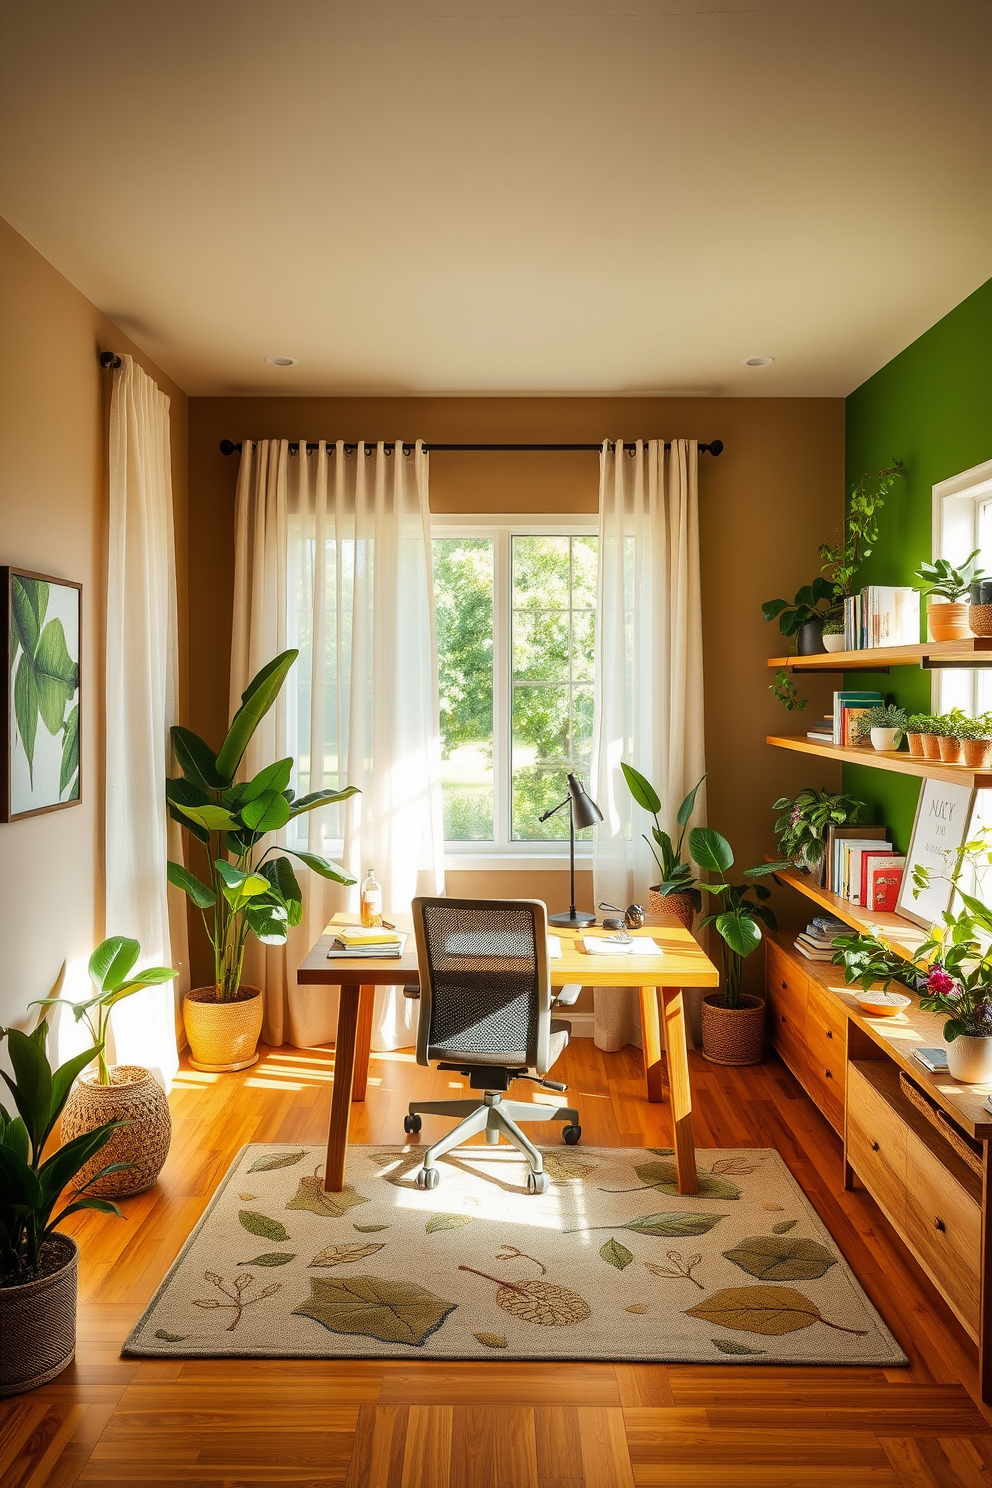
980	619
733	1035
38	1322
222	1035
679	905
132	1096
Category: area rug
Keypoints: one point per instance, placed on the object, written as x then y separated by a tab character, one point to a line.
610	1264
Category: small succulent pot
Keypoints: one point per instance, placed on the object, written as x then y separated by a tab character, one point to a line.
951	750
977	753
38	1320
136	1097
679	905
809	640
969	1059
222	1035
930	744
733	1035
915	742
948	621
886	738
834	643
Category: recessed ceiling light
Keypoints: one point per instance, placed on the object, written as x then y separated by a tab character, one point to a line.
281	361
748	361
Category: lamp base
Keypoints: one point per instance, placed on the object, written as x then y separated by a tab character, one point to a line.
581	920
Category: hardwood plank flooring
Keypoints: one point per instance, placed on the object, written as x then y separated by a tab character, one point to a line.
397	1424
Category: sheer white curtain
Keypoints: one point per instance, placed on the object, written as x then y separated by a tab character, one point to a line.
142	687
649	672
333	556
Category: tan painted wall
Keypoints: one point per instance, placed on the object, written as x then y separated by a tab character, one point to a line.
775	492
54	401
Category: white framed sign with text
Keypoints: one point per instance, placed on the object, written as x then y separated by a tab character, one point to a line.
943	815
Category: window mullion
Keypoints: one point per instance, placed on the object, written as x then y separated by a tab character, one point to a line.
502	675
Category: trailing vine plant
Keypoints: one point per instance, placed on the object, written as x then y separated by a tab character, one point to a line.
840	561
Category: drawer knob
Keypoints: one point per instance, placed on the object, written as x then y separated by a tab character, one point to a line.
782	1016
829	1034
827	1075
939	1224
785	987
874	1146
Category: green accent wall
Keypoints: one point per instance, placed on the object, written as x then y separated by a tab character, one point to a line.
930	407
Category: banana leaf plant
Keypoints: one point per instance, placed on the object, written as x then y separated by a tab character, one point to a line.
676	877
30	1184
738	919
243	893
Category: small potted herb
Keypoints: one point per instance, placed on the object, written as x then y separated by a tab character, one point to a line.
676	891
919	728
805	617
942	580
883	726
949	737
976	742
802	828
833	636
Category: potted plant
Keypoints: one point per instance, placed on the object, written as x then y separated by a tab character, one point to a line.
947	736
976	742
733	1020
919	727
942	580
882	726
244	893
841	561
120	1092
802	827
957	956
805	617
37	1263
676	891
833	636
980	608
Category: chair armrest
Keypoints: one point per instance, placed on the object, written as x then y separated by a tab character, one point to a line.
412	992
566	996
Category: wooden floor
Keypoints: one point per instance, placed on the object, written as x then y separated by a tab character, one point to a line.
490	1425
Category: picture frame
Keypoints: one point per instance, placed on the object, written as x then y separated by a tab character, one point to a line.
40	738
942	822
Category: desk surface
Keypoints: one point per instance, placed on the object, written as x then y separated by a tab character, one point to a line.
681	964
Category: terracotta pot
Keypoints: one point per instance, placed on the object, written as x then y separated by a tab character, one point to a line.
733	1035
980	619
134	1096
679	905
951	750
948	621
915	742
222	1035
930	744
969	1059
38	1321
977	753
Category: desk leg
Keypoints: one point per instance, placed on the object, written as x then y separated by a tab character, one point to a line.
344	1073
651	1044
678	1079
363	1043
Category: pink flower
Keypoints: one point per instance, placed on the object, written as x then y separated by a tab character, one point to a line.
942	984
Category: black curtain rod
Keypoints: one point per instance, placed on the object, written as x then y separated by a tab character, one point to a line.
228	447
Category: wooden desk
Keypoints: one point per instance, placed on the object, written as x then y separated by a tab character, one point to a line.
661	978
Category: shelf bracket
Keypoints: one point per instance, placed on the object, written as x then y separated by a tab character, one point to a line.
981	663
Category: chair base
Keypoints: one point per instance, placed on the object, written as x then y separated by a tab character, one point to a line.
496	1117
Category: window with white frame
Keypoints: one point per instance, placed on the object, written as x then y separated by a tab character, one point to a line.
962	522
516	632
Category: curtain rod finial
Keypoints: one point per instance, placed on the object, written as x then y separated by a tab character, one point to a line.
109	359
228	447
715	447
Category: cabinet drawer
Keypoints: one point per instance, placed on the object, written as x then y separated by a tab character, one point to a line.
826	1054
944	1228
786	993
875	1142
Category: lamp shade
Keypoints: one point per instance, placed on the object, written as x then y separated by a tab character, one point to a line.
585	812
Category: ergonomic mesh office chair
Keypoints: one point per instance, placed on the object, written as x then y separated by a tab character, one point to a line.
486	1001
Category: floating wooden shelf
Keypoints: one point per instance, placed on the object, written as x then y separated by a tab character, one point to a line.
931	654
896	760
901	934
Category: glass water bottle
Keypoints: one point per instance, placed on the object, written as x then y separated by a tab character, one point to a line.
371	901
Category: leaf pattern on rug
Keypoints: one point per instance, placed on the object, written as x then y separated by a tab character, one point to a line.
568	1167
739	1165
492	1340
171	1337
784	1226
237	1301
246	1198
343	1255
773	1258
311	1196
375	1307
675	1226
768	1310
539	1301
369	1229
731	1346
270	1258
616	1254
446	1222
664	1177
262	1225
637	1307
681	1268
273	1160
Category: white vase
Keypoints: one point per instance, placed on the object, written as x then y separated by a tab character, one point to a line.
969	1059
886	738
834	643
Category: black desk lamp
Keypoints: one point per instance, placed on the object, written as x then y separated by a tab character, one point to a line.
582	812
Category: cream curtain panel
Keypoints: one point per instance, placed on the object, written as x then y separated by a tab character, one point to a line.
333	556
649	673
142	688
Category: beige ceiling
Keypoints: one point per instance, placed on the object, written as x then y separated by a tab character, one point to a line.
505	196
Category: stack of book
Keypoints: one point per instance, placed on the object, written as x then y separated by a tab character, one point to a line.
822	731
354	940
848	707
862	866
816	942
881	615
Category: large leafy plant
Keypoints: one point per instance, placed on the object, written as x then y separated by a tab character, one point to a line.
677	877
957	953
45	679
31	1184
738	918
243	893
813	602
803	822
110	968
949	581
867	960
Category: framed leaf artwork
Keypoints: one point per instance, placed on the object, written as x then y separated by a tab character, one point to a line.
42	618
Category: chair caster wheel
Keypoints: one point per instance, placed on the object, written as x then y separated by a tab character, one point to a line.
571	1134
428	1178
412	1124
537	1183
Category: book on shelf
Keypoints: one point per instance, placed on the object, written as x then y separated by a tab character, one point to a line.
816	942
881	876
836	834
851	864
931	1059
844	702
822	731
881	615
